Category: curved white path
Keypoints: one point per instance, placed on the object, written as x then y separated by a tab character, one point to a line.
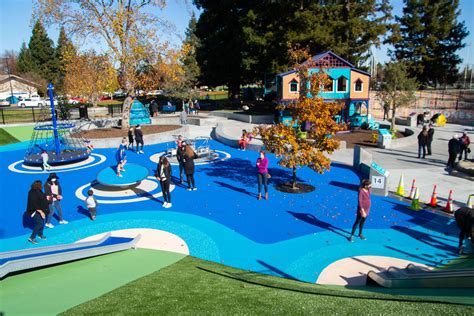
353	270
150	239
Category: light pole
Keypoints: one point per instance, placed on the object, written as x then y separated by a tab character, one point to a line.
53	117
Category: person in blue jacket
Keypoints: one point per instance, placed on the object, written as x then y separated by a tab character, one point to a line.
121	157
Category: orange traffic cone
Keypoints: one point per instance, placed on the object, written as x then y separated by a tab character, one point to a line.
434	199
412	190
449	205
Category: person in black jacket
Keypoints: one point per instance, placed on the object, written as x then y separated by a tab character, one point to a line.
130	139
422	141
163	174
37	208
180	151
188	159
465	221
454	147
139	139
430	138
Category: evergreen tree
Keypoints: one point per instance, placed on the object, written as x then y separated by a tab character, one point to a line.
25	60
43	53
428	38
64	51
191	43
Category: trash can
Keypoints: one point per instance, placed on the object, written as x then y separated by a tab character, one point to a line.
384	139
379	179
83	112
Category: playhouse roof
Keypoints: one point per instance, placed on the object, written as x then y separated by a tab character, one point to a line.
320	56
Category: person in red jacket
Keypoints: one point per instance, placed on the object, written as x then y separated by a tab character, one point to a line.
465	141
363	208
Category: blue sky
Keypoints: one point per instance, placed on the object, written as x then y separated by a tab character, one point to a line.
15	26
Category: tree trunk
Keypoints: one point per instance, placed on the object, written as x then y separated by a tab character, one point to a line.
293	179
392	126
127	103
234	91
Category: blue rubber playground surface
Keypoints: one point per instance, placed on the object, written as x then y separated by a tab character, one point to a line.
290	235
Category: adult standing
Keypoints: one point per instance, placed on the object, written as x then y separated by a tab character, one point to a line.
121	157
37	208
363	208
153	108
54	195
163	174
262	174
139	139
430	138
183	117
180	151
196	107
465	141
422	141
386	110
188	161
454	147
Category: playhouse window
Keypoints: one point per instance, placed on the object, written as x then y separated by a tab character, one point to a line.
358	86
342	84
294	86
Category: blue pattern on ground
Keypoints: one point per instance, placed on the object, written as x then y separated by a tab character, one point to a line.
290	235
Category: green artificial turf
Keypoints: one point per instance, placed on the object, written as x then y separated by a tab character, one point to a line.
52	290
463	262
195	287
21	133
6	138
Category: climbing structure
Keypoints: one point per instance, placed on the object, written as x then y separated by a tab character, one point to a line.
139	114
61	140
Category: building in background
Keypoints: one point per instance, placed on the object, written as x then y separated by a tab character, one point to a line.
17	86
349	85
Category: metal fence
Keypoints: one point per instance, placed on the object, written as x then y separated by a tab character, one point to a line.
10	115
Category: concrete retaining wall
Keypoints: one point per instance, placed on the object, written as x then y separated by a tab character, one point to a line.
229	140
252	119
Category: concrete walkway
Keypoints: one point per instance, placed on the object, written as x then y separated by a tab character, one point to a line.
404	161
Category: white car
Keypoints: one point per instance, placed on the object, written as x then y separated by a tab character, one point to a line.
30	102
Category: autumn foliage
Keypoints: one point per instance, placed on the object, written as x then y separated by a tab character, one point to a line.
89	75
297	148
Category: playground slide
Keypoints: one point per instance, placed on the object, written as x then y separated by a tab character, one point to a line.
20	260
419	277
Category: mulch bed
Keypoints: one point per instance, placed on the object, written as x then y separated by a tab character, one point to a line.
300	188
360	137
117	132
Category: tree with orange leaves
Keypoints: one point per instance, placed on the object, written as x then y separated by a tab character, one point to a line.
130	29
297	148
89	75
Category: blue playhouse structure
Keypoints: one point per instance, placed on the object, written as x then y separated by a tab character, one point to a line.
139	114
349	86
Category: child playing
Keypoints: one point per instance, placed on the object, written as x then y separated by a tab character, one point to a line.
91	204
45	158
121	157
130	139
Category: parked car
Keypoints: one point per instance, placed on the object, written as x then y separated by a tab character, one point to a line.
119	94
155	92
30	102
77	100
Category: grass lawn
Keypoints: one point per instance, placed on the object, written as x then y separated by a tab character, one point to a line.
6	138
193	286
